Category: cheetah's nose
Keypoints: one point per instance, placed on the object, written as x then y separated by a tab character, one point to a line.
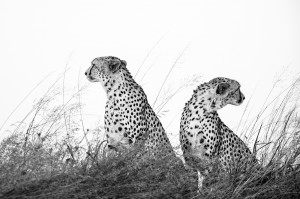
85	73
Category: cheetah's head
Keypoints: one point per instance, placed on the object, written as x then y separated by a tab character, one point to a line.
105	70
225	91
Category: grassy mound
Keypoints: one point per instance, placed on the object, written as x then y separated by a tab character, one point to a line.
126	176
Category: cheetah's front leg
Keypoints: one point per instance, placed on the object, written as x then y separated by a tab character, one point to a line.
203	163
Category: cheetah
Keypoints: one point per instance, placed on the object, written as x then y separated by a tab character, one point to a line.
204	138
129	120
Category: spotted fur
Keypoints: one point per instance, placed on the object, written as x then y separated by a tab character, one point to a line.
129	119
204	138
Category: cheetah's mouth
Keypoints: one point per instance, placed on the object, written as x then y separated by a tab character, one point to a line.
92	79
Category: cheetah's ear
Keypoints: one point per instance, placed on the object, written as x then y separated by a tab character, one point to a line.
114	65
124	62
222	88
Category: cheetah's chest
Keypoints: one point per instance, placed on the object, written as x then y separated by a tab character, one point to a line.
117	112
201	136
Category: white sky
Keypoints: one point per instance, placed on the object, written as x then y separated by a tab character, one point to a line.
250	41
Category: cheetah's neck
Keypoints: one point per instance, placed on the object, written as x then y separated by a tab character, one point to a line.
201	101
121	86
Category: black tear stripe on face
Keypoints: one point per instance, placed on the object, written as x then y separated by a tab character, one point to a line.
90	72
